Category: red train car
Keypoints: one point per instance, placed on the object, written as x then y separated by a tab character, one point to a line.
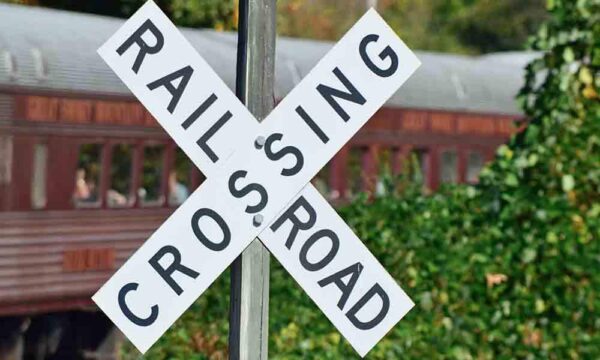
86	174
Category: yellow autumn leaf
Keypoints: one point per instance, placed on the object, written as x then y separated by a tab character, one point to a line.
585	76
589	92
495	279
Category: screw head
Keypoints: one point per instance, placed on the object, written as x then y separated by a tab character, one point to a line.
257	220
260	142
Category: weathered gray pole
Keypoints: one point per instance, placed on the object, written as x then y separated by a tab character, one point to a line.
249	307
371	4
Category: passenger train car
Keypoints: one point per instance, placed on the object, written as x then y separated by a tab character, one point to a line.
86	173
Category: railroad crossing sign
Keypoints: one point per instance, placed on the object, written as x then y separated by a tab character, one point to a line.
258	179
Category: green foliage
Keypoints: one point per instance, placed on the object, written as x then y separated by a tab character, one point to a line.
317	19
464	26
492	25
425	25
218	14
505	269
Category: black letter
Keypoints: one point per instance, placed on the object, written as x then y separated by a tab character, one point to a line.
200	235
129	314
385	307
264	197
297	224
175	266
386	53
335	246
312	124
144	48
329	93
202	142
283	152
346	289
167	81
199	111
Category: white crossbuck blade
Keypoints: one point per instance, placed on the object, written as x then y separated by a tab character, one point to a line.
258	179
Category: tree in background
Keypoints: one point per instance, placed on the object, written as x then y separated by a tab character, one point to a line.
102	7
425	24
463	26
217	14
492	25
323	20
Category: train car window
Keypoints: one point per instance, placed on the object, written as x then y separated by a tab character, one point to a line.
475	163
6	156
321	181
354	172
119	194
87	176
150	192
449	167
38	180
180	181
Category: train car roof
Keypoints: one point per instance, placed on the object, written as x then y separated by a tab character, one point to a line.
53	50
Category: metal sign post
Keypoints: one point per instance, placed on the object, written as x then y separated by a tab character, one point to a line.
249	300
371	4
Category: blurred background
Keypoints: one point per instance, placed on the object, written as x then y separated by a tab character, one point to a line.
477	185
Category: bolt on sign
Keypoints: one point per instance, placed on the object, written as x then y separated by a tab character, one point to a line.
258	179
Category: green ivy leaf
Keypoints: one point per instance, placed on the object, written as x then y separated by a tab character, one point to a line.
511	180
529	255
568	183
568	54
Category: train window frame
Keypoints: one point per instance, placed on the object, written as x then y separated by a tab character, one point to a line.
6	159
78	204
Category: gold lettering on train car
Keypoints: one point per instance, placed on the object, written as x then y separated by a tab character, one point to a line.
414	121
77	111
40	108
443	123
